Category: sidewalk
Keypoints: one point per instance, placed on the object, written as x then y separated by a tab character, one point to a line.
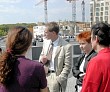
70	84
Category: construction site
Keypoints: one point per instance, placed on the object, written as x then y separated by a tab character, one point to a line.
71	27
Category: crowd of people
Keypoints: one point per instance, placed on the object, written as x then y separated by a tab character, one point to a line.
50	72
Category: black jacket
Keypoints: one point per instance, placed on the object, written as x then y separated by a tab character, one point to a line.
77	64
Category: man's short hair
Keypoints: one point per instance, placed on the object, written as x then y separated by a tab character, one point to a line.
53	26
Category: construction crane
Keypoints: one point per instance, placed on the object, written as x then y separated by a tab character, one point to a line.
73	2
45	9
83	11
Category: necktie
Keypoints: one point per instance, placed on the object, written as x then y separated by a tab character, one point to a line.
49	55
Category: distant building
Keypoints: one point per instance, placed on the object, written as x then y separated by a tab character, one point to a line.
38	31
66	28
100	11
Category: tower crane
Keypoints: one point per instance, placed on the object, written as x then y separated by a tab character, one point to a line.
74	12
73	9
73	2
45	9
83	11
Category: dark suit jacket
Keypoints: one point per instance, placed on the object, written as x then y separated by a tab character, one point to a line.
76	66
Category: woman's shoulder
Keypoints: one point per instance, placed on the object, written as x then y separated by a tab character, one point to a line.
26	62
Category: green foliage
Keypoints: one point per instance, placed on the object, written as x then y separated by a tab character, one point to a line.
2	33
5	27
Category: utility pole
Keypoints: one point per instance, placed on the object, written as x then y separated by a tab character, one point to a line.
45	9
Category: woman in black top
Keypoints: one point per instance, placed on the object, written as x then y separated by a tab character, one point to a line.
79	68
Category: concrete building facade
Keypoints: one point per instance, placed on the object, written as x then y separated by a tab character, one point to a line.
100	11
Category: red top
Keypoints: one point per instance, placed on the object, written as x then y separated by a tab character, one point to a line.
97	78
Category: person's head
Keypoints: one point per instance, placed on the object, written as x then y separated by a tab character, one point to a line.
84	40
18	40
100	35
51	31
17	43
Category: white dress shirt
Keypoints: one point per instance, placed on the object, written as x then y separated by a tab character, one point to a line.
55	44
82	64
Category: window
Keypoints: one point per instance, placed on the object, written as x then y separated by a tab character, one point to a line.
106	8
101	13
97	9
97	13
97	5
91	14
97	19
91	8
102	4
106	18
91	18
107	3
101	19
106	12
101	8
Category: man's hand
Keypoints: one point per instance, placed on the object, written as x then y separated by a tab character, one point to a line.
43	59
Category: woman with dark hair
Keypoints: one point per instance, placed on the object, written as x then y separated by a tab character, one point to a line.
79	68
17	73
97	78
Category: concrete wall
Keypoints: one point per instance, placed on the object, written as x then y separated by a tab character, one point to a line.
37	50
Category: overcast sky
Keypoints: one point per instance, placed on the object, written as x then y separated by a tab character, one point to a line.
25	11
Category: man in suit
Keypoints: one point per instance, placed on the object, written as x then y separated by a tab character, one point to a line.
59	65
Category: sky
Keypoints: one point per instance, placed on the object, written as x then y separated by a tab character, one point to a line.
26	11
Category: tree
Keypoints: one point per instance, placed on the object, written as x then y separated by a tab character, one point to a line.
2	33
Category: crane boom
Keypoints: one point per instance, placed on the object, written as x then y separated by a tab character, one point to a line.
39	2
45	9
